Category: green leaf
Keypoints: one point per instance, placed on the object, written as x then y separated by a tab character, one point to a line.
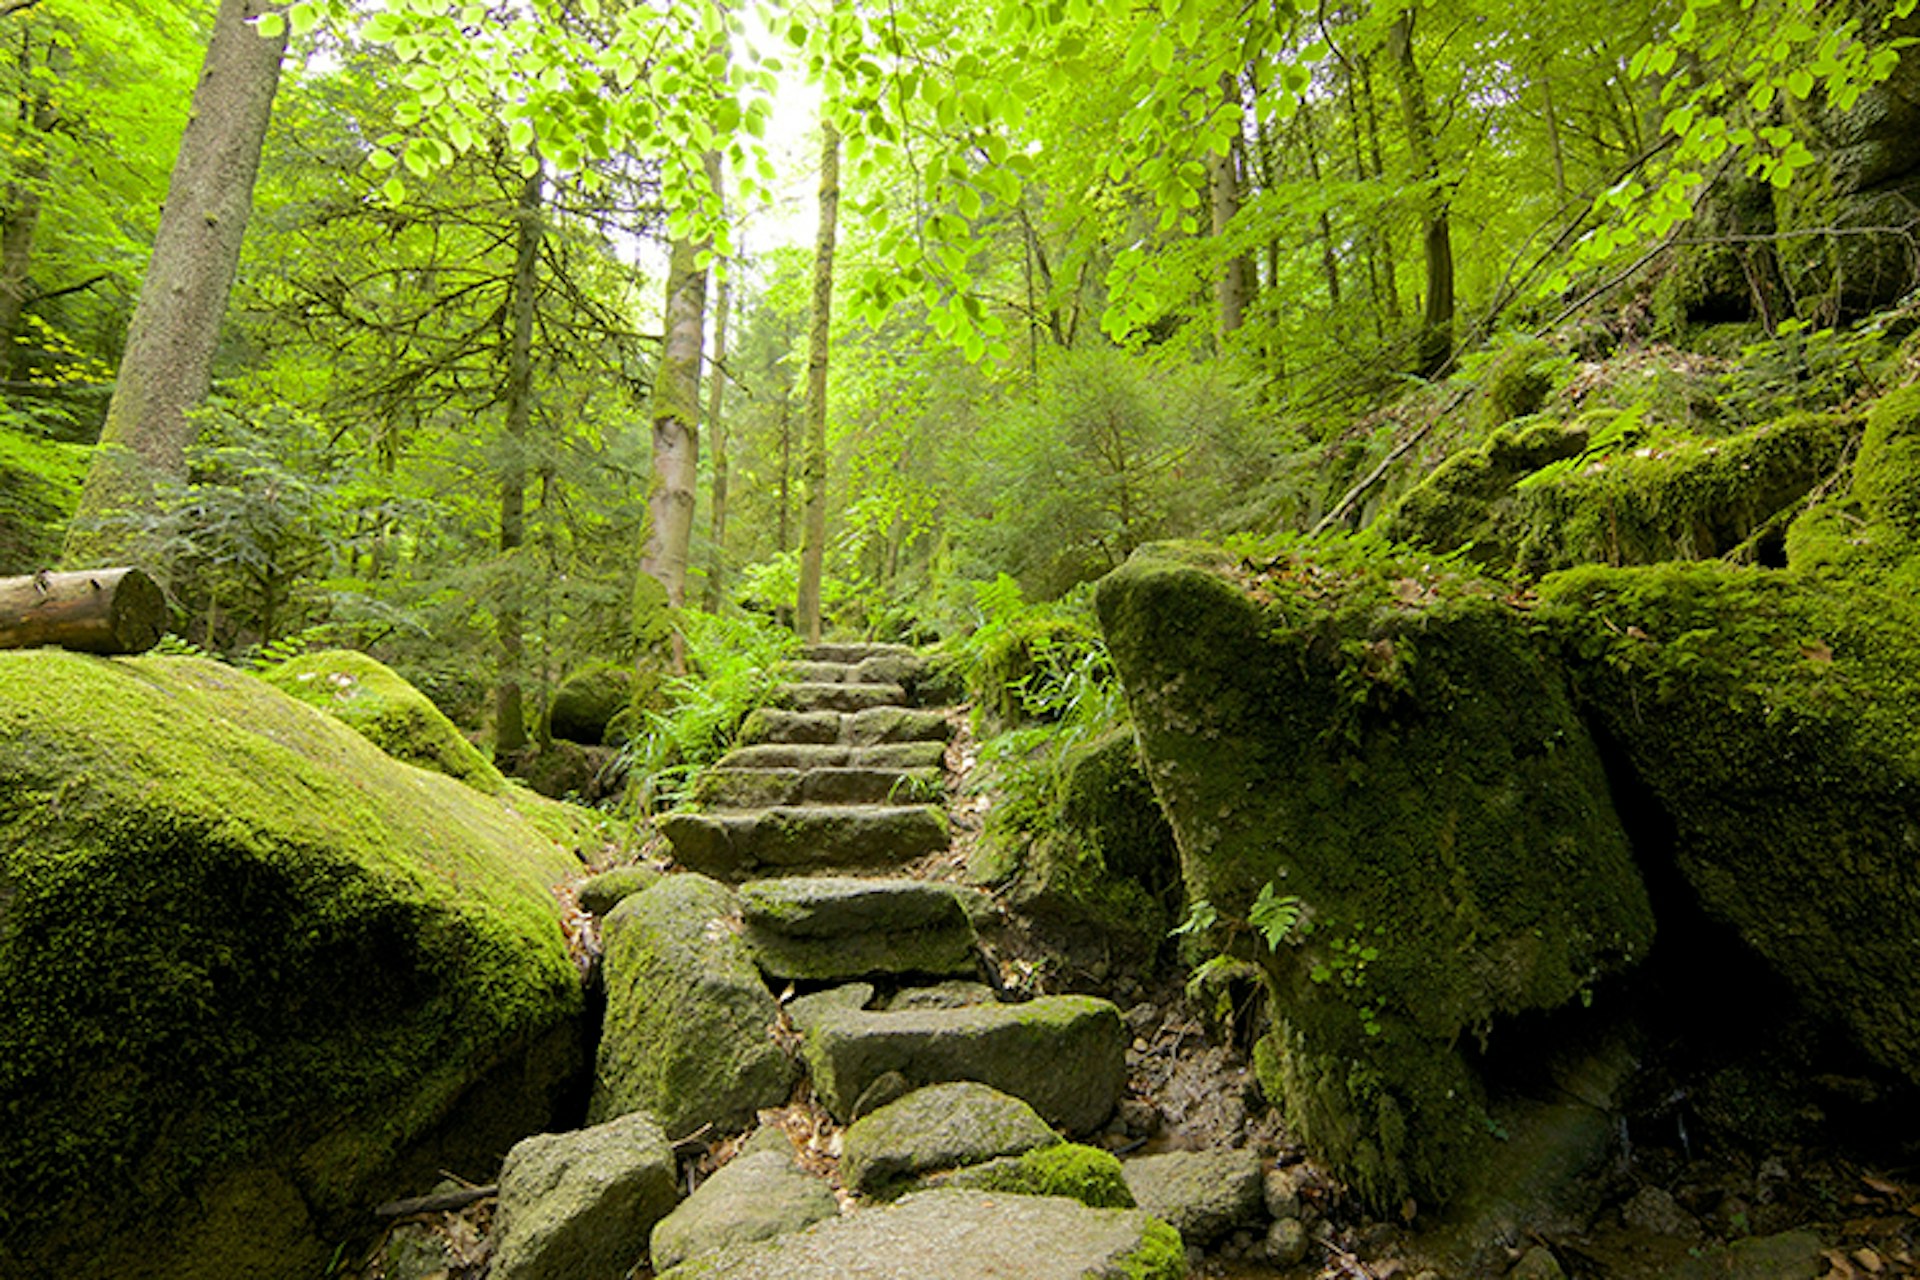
271	26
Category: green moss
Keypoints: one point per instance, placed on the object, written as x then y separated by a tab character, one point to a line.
1518	380
1639	500
1016	660
1388	743
1453	506
366	695
1775	717
247	959
588	700
39	487
1161	1255
603	892
1087	1174
1886	477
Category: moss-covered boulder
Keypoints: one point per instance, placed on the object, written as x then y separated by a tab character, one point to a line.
1620	495
938	1127
254	974
587	702
689	1032
1775	720
366	695
1383	753
1101	871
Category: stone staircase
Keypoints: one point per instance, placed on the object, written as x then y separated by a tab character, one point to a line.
807	934
837	774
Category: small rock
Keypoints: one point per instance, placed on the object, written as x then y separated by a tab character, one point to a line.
1655	1211
1141	1118
759	1195
1242	1244
1281	1191
1141	1018
942	995
1537	1263
1287	1243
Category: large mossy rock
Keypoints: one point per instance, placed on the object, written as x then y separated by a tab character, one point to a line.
254	974
950	1233
1389	748
368	696
1775	719
689	1033
1637	500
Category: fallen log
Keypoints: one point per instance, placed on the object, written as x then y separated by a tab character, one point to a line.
105	611
438	1202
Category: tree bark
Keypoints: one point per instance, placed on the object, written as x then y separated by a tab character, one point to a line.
509	700
1234	287
167	366
104	611
1435	350
717	429
675	409
38	117
814	464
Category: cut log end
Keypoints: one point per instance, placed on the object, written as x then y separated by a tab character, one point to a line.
104	611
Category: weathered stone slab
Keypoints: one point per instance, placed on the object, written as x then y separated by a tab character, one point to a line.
894	724
746	788
1202	1194
688	1034
892	755
942	1126
856	653
775	724
961	1235
734	845
1065	1055
759	1195
838	696
580	1204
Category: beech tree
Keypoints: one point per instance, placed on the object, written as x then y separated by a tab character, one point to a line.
168	362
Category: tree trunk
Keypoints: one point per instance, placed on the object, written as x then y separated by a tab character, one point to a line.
22	214
717	430
1234	287
167	366
509	700
676	414
1329	258
814	466
105	611
1436	326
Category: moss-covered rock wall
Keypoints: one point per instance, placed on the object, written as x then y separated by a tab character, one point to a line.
1390	747
254	974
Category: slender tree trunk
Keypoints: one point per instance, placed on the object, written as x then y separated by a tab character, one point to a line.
1436	326
167	366
814	466
1389	265
1233	289
509	707
676	413
784	539
38	116
1553	138
717	430
1329	260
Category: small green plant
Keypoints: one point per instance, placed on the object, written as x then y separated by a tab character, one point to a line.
1345	963
1277	918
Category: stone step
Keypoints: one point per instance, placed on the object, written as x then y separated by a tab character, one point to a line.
847	728
737	845
722	787
835	928
1064	1055
857	653
806	755
959	1235
838	697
